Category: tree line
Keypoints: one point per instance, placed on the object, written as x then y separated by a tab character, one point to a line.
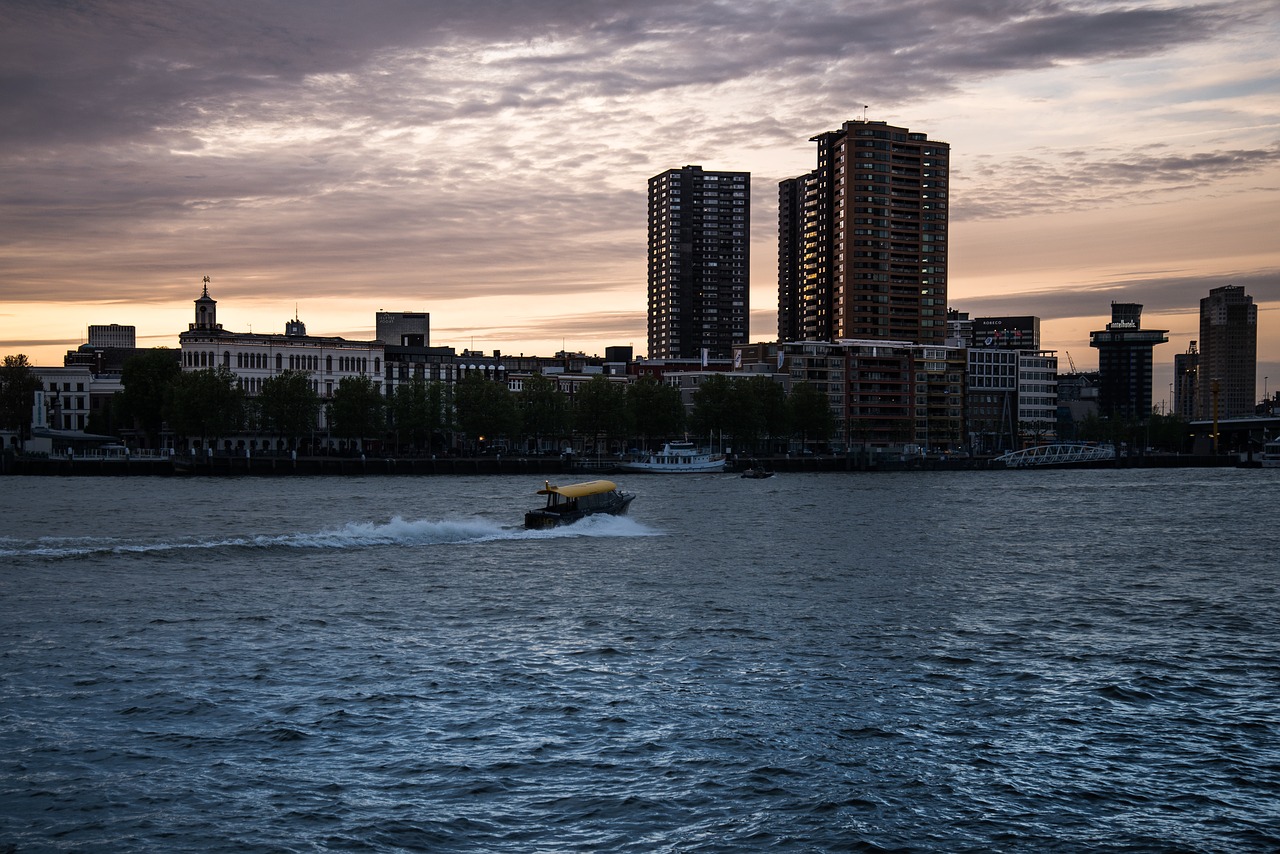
752	414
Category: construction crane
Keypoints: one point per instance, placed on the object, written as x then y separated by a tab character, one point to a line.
1071	362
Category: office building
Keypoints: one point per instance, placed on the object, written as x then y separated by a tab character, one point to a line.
699	262
1124	363
1007	333
113	335
403	328
109	346
1228	354
863	238
1037	395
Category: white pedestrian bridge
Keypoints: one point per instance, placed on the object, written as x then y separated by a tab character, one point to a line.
1056	455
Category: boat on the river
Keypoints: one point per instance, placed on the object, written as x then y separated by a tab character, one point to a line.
757	474
574	501
674	457
1271	454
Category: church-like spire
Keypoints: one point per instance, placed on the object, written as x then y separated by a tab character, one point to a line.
206	310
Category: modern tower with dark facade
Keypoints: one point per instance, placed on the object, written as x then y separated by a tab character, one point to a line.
790	258
1124	362
1228	353
865	254
699	263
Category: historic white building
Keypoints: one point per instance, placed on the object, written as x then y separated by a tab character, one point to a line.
255	357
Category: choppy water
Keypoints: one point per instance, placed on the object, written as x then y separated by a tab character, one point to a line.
986	661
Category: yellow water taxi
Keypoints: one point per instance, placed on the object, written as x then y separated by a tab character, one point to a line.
576	501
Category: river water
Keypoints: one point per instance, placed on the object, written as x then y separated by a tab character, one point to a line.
934	661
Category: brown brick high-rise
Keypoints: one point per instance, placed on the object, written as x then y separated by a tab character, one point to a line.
863	238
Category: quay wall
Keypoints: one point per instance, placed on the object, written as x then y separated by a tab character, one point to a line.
266	466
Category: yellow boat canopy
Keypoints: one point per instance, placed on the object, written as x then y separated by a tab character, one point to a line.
578	490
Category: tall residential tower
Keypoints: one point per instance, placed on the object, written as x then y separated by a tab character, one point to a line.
1228	353
699	262
862	239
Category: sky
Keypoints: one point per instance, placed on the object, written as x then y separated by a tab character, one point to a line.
487	161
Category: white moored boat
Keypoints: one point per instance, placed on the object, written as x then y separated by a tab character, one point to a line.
1271	454
675	457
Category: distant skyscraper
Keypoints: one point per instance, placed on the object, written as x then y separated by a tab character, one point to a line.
862	239
113	335
699	258
1228	353
1186	372
1124	362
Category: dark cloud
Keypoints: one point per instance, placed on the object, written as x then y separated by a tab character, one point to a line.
1159	292
125	70
1063	181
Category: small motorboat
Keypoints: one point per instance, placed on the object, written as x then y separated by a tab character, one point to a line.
566	504
756	474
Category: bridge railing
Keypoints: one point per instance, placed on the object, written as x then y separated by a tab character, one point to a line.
1059	454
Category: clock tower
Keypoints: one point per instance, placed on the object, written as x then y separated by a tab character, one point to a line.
206	311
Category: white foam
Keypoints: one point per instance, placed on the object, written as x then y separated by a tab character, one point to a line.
352	535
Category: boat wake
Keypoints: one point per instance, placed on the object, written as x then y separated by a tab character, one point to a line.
353	535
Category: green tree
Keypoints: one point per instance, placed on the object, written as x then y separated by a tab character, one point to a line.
102	420
148	380
206	404
288	406
600	409
543	408
713	407
18	385
485	409
416	411
745	415
811	416
357	410
655	409
774	412
1168	432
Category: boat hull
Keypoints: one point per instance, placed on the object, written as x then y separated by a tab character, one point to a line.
670	468
544	518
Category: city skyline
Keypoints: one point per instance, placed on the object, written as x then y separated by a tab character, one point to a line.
487	163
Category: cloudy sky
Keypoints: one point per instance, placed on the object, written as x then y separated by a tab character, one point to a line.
486	160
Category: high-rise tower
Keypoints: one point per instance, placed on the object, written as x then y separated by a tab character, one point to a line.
870	261
699	262
1228	353
1124	362
790	258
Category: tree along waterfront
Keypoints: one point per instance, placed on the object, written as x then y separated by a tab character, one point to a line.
162	406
